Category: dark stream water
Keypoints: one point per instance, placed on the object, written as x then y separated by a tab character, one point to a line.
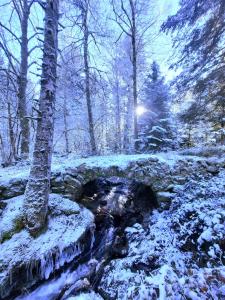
117	204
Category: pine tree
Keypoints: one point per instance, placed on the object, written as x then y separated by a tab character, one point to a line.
198	32
154	124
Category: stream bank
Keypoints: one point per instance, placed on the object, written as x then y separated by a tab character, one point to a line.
116	204
175	249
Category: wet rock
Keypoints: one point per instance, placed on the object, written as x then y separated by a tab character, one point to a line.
213	170
73	187
143	197
165	197
86	296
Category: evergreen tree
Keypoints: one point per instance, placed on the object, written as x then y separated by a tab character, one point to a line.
199	32
154	124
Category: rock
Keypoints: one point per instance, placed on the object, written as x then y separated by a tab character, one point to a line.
25	260
12	218
213	170
180	179
163	197
86	296
14	187
151	170
73	187
153	159
56	181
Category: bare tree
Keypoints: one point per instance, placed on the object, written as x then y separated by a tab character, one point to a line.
8	114
85	12
129	15
85	22
37	190
22	9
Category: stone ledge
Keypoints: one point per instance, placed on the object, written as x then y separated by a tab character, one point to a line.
24	260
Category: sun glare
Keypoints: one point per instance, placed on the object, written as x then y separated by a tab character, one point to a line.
140	110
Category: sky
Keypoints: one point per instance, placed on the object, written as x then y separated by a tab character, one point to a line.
160	49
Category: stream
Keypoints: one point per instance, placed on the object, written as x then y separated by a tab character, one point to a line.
116	203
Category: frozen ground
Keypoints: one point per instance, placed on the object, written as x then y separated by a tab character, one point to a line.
178	254
181	253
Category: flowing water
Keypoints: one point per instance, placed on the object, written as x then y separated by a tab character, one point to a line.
110	201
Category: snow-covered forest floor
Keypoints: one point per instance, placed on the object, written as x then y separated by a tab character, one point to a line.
178	252
181	252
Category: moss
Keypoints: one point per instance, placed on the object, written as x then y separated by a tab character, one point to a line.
18	226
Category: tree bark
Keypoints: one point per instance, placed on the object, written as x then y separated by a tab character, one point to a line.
87	82
22	83
118	117
37	190
10	124
11	134
65	124
134	67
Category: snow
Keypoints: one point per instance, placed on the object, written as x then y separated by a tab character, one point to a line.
59	164
86	296
55	247
11	217
182	249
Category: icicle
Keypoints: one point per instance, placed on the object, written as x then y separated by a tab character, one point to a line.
92	231
62	256
47	265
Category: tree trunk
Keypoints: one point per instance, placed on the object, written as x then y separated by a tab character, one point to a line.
118	118
11	134
134	75
65	123
2	148
37	190
12	155
87	82
22	84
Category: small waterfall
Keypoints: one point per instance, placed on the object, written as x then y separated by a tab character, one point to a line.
111	202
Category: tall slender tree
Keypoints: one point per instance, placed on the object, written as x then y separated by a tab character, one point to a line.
37	190
86	24
130	17
19	66
85	12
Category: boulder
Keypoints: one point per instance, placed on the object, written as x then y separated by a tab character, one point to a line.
24	260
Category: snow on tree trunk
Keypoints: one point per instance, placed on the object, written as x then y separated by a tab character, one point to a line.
118	117
134	75
22	83
87	81
65	112
37	190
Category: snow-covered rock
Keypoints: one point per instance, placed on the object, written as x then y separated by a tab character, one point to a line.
25	260
86	296
181	254
159	171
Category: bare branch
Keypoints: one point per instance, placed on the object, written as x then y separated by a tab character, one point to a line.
13	34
